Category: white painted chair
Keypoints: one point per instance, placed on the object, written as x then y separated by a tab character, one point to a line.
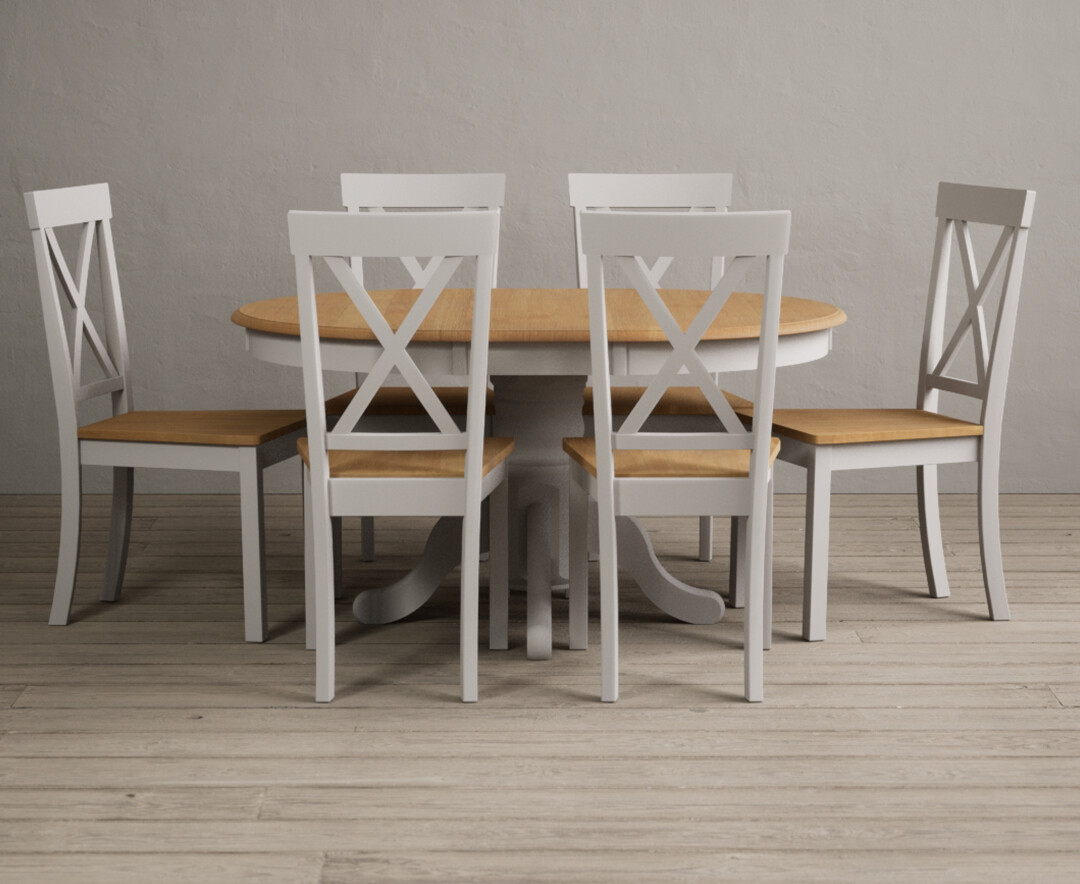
633	472
441	471
242	442
674	191
377	193
825	441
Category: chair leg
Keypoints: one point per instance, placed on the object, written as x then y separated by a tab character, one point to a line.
309	562
737	566
579	568
367	538
253	540
499	568
339	568
816	553
933	549
766	615
321	591
470	602
990	535
119	533
67	564
609	604
705	538
754	617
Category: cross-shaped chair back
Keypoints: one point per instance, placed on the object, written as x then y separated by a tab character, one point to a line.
89	208
378	192
687	191
336	237
619	239
959	205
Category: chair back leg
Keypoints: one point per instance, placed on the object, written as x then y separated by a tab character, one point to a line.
990	530
816	553
70	520
253	547
119	533
930	530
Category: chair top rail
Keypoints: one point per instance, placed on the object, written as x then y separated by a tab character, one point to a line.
423	191
985	205
628	234
63	206
673	190
345	234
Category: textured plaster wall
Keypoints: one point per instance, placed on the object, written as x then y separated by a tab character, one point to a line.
211	120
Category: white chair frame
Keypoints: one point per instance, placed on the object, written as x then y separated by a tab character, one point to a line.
379	192
90	208
622	237
675	191
335	237
957	206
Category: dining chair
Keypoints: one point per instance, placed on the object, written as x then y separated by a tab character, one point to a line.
828	440
242	442
442	471
631	471
677	191
377	193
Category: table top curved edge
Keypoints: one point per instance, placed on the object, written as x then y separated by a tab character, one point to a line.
538	315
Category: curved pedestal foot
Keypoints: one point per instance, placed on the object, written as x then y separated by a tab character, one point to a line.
442	553
691	604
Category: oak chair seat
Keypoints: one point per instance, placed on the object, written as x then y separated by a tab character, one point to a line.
848	426
677	401
409	464
239	428
668	464
403	401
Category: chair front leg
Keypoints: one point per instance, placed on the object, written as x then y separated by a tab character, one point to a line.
816	552
499	568
705	538
253	539
119	533
933	549
470	603
367	538
67	564
990	533
320	591
754	617
609	604
766	616
579	568
737	563
339	561
309	561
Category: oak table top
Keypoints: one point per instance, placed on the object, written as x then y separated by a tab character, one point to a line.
523	315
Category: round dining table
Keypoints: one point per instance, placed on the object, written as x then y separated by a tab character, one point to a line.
538	363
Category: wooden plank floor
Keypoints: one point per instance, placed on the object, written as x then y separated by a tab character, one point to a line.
921	742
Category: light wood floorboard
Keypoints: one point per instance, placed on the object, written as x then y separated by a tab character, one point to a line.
920	742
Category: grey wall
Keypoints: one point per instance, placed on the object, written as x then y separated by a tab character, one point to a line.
211	119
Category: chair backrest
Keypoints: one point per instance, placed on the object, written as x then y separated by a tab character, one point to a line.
90	209
334	238
619	239
959	205
378	192
688	191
